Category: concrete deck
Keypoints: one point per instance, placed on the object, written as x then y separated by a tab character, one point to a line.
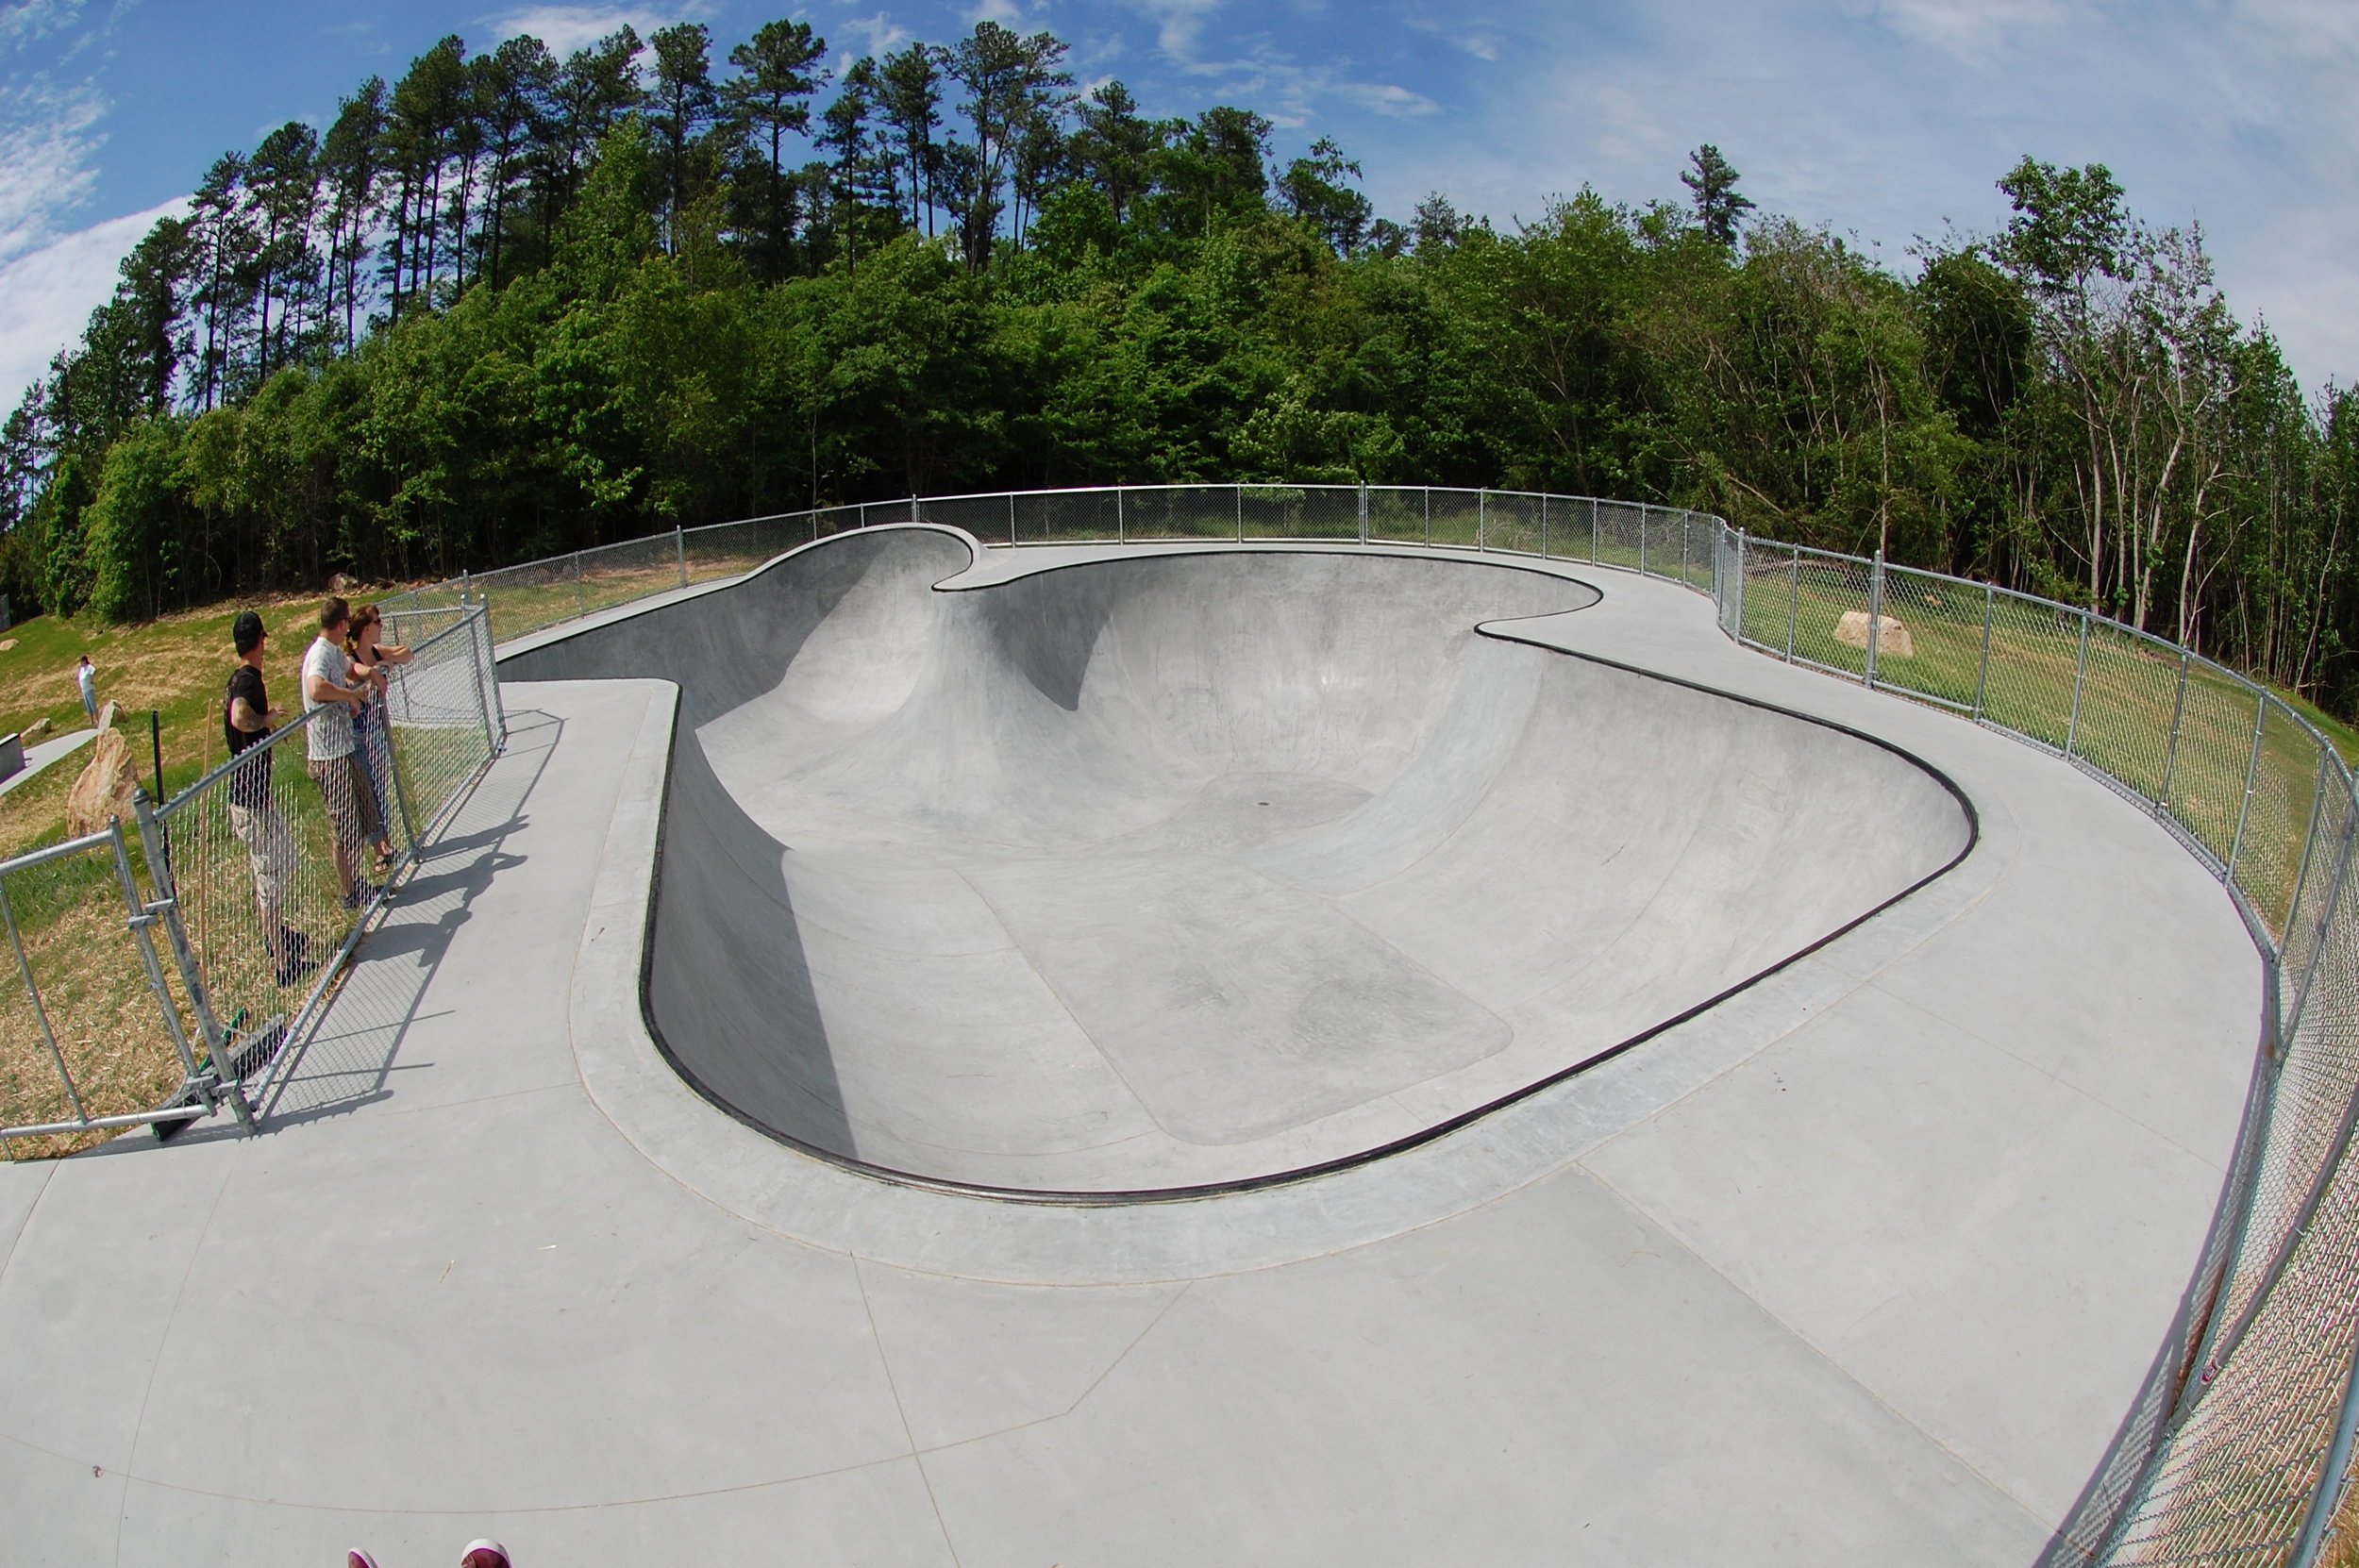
1860	1265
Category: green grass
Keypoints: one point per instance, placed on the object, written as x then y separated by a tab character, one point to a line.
71	913
2192	755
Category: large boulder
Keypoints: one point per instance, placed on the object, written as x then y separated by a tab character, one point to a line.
1892	639
106	788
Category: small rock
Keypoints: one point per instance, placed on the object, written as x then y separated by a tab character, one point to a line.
37	728
5	643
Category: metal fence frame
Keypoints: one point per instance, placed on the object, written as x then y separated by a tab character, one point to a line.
219	1069
2237	1447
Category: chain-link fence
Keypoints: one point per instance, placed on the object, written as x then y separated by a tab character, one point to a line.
2237	1444
1658	540
173	964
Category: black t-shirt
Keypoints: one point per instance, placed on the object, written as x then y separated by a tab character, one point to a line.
249	782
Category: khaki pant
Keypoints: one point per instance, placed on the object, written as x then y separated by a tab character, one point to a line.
270	852
351	803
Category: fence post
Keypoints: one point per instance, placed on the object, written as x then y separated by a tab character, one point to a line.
1793	600
1483	519
2178	715
1875	613
1010	519
2080	679
1544	525
1982	675
482	701
142	922
1238	490
383	729
1593	530
41	1015
679	552
2309	843
1735	587
582	593
1122	529
465	587
1641	538
1687	520
1429	516
2322	1514
1364	514
2251	776
167	905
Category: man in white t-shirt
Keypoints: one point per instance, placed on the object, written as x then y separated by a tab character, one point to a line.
330	755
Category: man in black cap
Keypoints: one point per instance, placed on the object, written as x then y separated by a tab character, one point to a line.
246	718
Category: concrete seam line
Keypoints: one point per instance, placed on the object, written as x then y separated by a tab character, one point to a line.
900	1411
1689	1246
48	1169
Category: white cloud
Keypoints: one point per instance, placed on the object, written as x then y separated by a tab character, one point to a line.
32	20
1458	31
46	296
1977	31
47	143
47	146
1385	98
1180	24
566	28
878	34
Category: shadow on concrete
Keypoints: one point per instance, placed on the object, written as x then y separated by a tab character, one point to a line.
727	990
352	1057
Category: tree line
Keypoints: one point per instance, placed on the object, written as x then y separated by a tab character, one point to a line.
513	303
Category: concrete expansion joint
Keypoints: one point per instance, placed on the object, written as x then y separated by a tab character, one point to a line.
1825	1357
900	1410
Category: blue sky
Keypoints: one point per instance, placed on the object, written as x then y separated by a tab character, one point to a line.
1884	119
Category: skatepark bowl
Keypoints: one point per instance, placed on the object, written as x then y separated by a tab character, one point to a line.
1150	875
1244	1023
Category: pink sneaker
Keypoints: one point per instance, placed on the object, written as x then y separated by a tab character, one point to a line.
483	1553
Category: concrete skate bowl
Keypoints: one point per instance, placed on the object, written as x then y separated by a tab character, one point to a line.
1174	873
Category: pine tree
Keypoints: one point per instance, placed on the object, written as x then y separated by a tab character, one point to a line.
1711	180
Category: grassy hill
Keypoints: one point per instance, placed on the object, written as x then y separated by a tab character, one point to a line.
176	667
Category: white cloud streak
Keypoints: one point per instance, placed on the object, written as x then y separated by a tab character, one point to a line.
879	35
47	295
47	152
566	28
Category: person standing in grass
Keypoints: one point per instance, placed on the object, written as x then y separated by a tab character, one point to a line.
247	719
86	679
333	690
